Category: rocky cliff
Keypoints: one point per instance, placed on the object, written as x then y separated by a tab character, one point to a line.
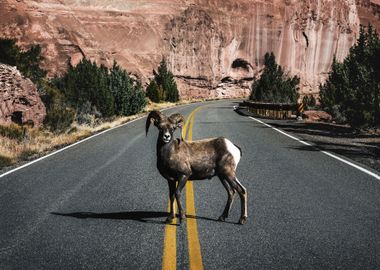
214	47
20	102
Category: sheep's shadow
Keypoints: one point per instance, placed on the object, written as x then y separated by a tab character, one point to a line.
210	219
141	216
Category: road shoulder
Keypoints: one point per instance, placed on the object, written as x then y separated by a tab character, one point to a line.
341	140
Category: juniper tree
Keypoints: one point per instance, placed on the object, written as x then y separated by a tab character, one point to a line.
163	87
88	82
351	92
27	61
274	85
121	89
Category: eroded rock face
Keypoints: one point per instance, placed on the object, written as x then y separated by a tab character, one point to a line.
214	47
20	102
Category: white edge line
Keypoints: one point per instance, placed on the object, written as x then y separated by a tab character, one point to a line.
324	152
79	142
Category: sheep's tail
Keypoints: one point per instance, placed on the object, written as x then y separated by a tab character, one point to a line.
241	151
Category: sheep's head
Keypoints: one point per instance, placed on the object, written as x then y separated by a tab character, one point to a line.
166	125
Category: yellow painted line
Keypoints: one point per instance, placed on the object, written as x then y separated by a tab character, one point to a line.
195	255
188	121
169	258
186	124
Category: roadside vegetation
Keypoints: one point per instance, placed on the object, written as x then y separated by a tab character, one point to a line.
163	86
27	61
310	102
351	93
88	98
274	85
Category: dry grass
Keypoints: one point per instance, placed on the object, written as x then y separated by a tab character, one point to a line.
33	143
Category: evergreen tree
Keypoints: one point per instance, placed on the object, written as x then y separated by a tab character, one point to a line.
121	88
88	82
309	101
59	116
90	88
9	52
137	99
163	87
351	92
274	85
152	91
28	62
128	94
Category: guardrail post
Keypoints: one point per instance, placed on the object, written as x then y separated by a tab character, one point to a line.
300	110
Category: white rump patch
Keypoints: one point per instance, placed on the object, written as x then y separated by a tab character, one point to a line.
235	152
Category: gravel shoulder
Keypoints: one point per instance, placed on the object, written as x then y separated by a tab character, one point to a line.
361	147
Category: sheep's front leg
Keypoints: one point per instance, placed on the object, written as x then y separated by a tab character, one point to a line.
172	185
181	184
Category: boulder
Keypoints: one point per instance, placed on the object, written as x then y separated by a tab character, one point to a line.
317	116
20	102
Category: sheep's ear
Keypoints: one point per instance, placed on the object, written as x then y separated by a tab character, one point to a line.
177	119
154	116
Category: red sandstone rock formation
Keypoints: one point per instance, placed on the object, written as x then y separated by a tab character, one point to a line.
214	47
19	99
317	116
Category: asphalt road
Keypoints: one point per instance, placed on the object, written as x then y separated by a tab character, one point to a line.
102	205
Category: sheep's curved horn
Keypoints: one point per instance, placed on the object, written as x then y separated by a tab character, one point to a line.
157	116
178	120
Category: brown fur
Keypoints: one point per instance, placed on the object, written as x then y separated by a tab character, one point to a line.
180	160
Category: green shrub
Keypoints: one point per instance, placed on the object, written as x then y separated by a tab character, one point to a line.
128	94
163	87
137	102
351	93
87	82
152	92
110	91
87	90
309	101
59	116
59	119
14	132
26	154
87	114
5	161
27	61
121	88
274	85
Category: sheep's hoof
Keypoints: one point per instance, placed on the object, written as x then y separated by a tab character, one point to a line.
182	217
222	218
243	220
169	219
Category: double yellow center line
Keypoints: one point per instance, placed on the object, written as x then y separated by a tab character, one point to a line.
169	260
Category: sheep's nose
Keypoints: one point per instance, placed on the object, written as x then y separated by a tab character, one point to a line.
166	136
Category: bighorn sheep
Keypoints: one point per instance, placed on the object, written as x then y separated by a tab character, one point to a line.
179	160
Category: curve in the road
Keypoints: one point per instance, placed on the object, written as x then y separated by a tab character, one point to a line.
102	205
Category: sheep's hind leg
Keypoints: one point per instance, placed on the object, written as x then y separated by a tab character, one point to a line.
181	185
231	196
235	184
171	216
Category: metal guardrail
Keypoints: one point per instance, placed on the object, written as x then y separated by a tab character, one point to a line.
273	110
